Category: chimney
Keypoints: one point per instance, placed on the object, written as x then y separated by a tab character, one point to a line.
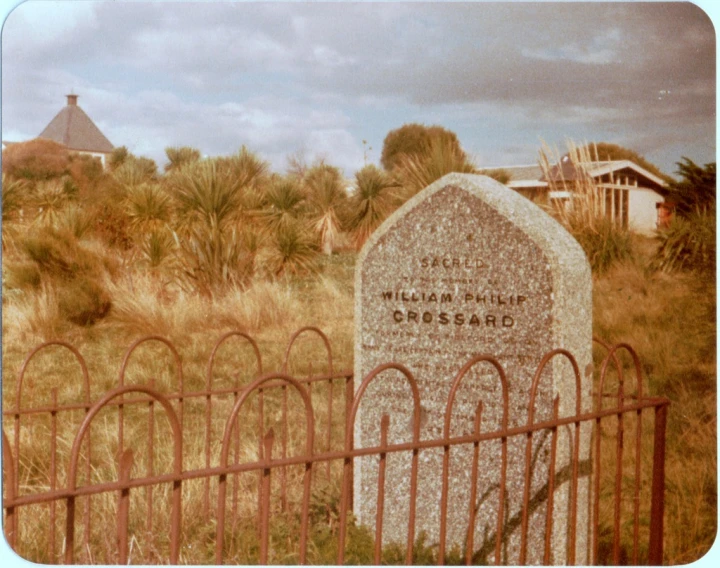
72	100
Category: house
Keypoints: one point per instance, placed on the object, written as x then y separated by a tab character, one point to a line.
75	130
633	197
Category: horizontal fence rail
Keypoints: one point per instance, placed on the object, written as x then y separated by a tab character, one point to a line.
262	471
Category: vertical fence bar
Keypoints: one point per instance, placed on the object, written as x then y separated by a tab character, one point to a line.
261	454
329	428
125	465
526	495
469	548
551	485
618	488
283	470
151	464
657	506
265	511
349	395
9	472
636	496
384	424
53	469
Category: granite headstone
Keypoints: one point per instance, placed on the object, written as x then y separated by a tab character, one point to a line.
469	267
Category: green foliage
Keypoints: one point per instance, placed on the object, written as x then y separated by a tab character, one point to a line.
688	244
695	191
416	171
371	202
414	139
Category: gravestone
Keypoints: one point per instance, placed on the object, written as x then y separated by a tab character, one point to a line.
469	267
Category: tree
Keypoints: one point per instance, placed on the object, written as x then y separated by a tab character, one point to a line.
413	140
607	151
695	191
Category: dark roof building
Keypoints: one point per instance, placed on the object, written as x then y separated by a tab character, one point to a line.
75	130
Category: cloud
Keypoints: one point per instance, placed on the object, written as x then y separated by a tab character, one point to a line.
282	76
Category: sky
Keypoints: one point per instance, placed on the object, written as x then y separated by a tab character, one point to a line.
330	80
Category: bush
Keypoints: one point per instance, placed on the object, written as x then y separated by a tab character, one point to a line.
36	160
604	243
74	272
412	140
688	244
83	301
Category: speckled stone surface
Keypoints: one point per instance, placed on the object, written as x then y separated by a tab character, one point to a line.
469	267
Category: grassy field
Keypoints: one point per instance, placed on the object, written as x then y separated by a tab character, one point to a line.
668	318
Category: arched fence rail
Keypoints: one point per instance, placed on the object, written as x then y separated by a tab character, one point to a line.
296	502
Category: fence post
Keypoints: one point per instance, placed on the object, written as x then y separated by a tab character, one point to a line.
657	507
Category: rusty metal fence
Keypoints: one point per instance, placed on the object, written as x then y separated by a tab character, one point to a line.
263	472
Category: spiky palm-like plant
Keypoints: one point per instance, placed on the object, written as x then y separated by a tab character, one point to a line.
213	260
327	203
148	207
292	250
50	199
282	203
245	166
180	156
416	171
134	171
205	195
371	203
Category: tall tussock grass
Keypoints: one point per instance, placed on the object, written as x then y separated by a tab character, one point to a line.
583	214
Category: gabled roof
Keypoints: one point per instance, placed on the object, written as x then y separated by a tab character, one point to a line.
522	176
75	130
568	171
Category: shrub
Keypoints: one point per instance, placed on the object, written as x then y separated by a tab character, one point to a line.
36	160
72	271
413	140
83	300
688	244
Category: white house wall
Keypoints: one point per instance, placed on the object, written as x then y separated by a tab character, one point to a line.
642	210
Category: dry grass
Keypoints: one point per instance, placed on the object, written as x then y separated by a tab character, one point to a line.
668	318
